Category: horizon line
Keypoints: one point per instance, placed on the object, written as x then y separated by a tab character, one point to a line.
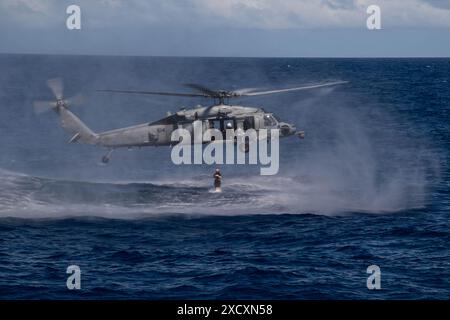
212	57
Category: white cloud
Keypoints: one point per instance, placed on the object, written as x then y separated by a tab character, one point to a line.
16	13
36	6
261	14
323	13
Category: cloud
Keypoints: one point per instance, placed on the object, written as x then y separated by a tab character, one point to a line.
272	14
257	14
33	6
16	13
439	3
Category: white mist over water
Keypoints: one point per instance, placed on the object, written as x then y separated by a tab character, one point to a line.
355	159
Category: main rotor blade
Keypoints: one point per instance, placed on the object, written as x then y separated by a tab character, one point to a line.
260	93
202	89
43	106
156	93
243	91
57	87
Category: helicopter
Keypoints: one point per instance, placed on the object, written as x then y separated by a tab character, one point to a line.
220	115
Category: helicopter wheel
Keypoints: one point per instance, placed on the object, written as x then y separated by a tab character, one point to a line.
107	157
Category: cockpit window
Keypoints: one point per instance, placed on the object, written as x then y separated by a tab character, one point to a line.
276	118
228	124
269	120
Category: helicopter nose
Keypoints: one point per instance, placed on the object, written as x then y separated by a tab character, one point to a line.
287	129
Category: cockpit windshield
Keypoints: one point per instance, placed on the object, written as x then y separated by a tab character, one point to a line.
269	120
276	118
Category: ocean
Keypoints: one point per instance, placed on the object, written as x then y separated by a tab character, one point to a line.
367	186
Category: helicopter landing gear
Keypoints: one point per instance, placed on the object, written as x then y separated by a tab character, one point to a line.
107	157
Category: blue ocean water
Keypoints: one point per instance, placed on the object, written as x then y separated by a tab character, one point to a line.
367	186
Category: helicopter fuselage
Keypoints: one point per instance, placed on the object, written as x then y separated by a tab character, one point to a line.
220	117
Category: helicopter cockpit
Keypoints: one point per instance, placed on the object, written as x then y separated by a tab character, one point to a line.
270	120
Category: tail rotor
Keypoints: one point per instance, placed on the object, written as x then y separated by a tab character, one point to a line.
56	85
68	121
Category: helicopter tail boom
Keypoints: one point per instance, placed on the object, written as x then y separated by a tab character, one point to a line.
72	124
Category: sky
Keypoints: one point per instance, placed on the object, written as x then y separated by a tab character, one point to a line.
241	28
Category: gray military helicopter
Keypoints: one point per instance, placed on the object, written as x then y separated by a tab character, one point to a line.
220	115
